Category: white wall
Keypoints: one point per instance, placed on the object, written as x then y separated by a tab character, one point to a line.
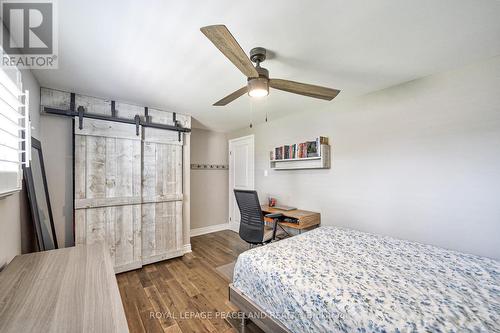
10	228
14	223
418	161
209	188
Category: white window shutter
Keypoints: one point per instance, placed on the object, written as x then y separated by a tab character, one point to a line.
14	124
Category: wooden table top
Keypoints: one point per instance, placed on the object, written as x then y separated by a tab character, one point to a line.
306	218
66	290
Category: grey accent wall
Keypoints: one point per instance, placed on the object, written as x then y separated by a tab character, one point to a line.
209	188
15	226
418	161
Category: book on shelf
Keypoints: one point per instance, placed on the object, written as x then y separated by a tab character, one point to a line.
301	151
278	153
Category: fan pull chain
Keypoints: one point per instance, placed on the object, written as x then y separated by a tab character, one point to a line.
251	113
265	105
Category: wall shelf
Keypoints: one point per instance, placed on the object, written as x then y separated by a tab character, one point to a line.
317	162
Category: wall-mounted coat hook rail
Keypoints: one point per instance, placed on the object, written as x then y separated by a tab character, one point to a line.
209	167
137	121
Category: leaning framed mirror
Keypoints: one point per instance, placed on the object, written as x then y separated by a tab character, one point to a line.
38	196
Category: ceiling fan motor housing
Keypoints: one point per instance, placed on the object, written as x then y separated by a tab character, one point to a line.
262	72
258	54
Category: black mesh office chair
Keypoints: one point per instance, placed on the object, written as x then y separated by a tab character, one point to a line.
253	230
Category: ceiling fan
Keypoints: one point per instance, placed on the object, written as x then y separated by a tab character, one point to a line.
257	76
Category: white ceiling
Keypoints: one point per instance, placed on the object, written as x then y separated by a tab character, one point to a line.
152	52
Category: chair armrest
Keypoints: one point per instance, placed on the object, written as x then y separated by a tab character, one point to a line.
273	216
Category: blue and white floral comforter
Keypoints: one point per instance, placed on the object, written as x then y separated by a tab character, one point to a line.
339	280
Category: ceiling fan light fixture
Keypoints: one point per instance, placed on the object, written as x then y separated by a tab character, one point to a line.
258	87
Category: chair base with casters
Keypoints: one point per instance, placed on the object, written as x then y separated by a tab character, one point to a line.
253	228
269	232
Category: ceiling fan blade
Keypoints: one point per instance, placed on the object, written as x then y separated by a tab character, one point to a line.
304	89
220	36
231	97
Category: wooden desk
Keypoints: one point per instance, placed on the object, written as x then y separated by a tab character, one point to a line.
67	290
306	219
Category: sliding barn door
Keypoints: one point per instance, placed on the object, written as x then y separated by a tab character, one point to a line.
108	189
162	227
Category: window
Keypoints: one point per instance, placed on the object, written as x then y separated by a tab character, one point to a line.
14	125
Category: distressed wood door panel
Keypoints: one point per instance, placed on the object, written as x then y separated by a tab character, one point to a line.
161	195
118	226
162	234
108	190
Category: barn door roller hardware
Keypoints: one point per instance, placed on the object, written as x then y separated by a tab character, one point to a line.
137	121
176	123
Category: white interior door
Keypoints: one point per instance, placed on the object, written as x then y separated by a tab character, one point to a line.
241	173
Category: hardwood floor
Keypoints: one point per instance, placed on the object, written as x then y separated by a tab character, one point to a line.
185	294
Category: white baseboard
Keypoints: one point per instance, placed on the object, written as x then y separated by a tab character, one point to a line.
209	229
234	227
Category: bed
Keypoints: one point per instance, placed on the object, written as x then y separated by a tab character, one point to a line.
340	280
